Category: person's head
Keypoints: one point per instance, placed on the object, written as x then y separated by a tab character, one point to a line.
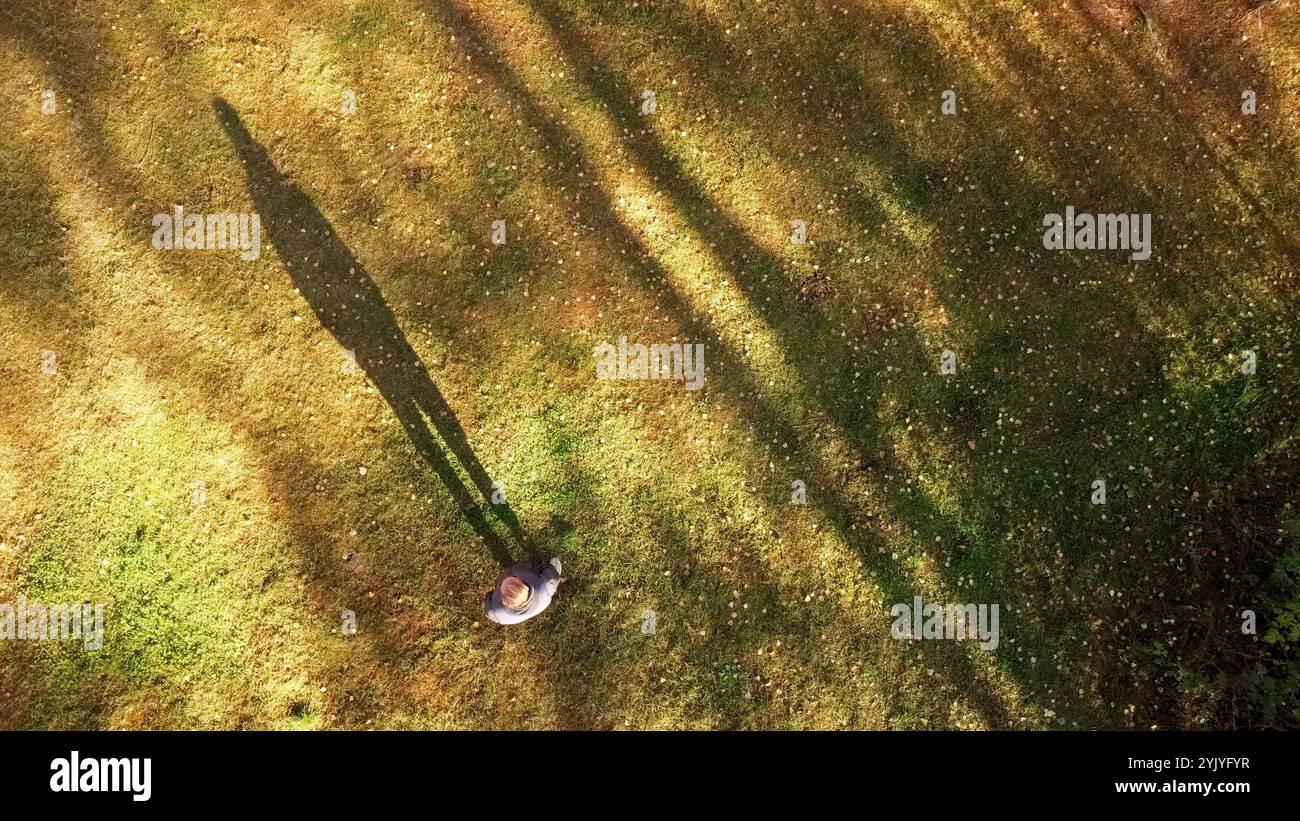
514	593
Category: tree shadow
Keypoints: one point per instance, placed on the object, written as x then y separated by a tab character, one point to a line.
1043	628
1216	67
964	406
351	307
727	365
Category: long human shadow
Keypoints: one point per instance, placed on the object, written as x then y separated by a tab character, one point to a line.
352	308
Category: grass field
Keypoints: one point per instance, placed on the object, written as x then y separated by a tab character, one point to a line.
201	456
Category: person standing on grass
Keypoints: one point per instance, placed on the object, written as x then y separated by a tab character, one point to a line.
523	592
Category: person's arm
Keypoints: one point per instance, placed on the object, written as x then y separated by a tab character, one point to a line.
550	580
487	604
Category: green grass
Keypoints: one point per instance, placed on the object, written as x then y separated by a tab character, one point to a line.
822	364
